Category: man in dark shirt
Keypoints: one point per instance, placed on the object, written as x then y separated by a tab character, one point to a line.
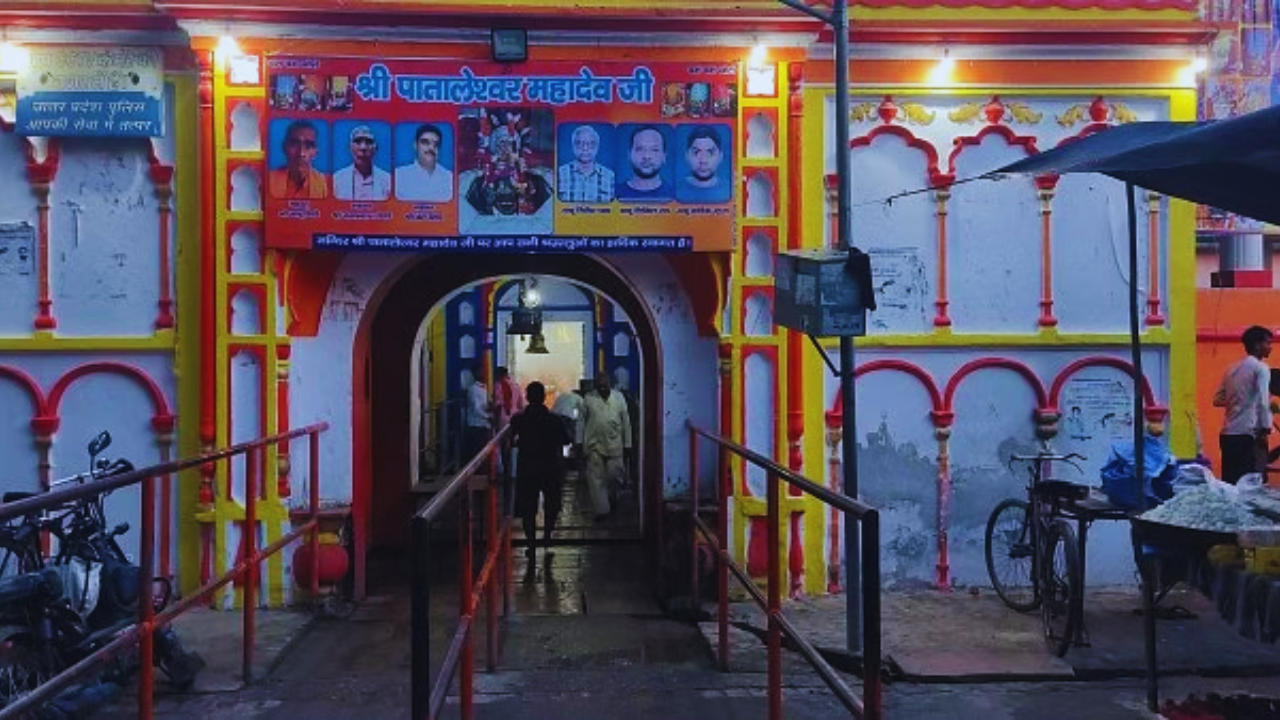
540	437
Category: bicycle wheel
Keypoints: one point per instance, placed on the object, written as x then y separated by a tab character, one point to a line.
1061	585
1011	555
25	667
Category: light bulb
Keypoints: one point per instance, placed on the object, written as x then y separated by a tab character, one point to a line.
13	57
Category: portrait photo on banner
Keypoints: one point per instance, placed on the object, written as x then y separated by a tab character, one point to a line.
586	159
645	168
506	170
425	161
704	169
361	160
298	159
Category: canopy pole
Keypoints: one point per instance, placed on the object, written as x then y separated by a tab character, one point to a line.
1139	451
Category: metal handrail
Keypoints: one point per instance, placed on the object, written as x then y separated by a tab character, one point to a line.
428	698
442	428
870	706
247	569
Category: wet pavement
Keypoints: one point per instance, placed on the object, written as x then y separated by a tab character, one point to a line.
586	639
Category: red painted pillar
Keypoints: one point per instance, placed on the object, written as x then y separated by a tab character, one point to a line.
283	488
942	420
208	278
40	175
162	178
795	345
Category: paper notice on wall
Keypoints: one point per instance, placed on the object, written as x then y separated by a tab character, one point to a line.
1097	407
17	248
902	290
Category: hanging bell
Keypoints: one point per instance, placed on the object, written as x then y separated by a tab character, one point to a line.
537	344
525	321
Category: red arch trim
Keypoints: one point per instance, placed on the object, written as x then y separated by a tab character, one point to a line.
1027	143
1006	363
936	176
836	412
1055	392
30	385
162	421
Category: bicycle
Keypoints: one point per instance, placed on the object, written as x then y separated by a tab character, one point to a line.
1032	553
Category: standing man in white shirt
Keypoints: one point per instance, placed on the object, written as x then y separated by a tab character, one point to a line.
479	422
568	406
606	437
425	179
362	179
1243	394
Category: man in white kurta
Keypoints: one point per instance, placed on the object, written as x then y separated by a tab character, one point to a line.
605	428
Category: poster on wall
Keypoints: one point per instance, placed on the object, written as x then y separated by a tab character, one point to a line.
902	289
421	155
91	92
1097	409
17	248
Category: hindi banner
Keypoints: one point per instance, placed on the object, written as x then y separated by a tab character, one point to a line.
427	155
92	92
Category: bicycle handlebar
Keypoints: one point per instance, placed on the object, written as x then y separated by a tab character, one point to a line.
1047	456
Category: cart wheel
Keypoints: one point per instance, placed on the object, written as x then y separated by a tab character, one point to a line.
1010	557
1060	589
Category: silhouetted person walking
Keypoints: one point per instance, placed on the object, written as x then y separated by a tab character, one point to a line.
540	437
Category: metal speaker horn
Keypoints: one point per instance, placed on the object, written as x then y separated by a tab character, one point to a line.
537	344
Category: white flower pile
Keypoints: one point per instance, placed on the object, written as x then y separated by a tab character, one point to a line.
1204	507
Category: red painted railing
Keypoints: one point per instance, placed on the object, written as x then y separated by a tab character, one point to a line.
869	706
247	570
428	697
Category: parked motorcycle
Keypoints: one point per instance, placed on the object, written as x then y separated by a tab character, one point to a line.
55	612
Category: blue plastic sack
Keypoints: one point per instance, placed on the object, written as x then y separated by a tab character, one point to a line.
1119	474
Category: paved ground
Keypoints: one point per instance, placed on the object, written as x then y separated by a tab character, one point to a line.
586	641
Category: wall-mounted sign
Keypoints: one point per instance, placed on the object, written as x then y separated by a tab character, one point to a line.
92	92
473	157
17	248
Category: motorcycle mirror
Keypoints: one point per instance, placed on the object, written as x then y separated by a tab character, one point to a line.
99	443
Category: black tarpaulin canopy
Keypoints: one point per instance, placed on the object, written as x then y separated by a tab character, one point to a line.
1233	165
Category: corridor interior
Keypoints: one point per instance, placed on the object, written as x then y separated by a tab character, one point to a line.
592	566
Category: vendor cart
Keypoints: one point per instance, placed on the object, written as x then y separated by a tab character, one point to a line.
1228	164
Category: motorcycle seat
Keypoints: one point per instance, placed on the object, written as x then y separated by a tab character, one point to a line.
16	495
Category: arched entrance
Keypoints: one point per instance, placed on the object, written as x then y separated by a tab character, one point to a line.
381	389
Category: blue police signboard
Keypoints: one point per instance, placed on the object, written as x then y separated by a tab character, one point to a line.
92	92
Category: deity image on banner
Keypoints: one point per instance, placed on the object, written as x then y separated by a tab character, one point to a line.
506	159
306	92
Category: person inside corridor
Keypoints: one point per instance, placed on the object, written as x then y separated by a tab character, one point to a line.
606	438
539	438
507	401
1243	394
299	179
622	383
362	179
478	415
568	407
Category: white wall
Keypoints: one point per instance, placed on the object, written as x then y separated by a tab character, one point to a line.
321	373
898	465
104	260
